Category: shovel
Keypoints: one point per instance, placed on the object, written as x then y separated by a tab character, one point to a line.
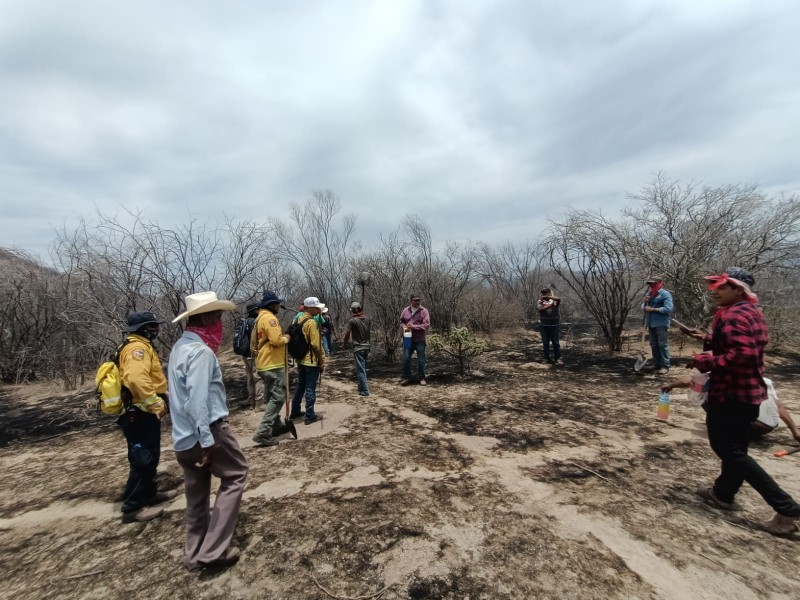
289	424
641	361
786	452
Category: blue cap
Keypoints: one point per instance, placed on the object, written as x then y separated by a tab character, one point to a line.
138	319
269	298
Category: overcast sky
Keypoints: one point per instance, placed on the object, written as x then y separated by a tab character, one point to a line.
485	118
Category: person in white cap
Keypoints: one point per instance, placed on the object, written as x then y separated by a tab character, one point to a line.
204	445
312	365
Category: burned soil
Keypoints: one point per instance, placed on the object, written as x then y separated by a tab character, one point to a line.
521	480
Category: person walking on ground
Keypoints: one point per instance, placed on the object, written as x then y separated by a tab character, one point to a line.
204	444
658	315
144	391
415	320
359	328
312	365
737	388
268	345
549	324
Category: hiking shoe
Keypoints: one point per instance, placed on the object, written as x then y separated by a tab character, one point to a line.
782	525
160	497
312	419
148	513
423	382
263	440
230	558
297	415
662	371
707	494
405	382
363	393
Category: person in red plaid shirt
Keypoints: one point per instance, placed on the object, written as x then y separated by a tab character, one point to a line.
736	368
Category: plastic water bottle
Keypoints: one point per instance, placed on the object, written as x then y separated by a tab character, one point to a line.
662	414
698	389
407	339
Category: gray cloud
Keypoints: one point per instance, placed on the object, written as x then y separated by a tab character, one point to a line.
485	117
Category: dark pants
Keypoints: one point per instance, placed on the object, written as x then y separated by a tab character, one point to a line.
728	427
550	335
143	434
307	378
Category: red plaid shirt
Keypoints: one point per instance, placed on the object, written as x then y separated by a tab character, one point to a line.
737	363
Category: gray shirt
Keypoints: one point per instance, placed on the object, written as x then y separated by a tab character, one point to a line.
360	330
196	392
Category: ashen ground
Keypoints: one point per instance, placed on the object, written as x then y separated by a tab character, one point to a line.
528	482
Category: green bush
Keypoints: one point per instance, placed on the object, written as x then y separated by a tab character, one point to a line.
459	344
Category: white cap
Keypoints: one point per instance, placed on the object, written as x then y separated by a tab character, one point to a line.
313	302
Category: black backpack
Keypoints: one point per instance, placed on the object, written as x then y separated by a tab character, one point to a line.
298	345
241	338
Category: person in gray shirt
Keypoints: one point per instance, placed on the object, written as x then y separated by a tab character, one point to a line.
359	329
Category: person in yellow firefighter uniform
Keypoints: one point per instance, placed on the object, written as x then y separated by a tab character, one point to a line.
144	392
268	345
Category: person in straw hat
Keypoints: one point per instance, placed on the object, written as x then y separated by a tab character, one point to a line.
204	444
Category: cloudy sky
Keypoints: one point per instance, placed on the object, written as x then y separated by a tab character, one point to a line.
484	117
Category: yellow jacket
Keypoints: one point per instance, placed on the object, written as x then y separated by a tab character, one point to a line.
141	373
315	356
267	342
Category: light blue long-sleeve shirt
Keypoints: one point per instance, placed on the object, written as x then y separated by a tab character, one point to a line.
662	316
196	392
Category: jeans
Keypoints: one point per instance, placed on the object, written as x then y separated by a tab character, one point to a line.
550	334
143	433
728	427
419	348
659	345
361	357
326	345
307	378
274	397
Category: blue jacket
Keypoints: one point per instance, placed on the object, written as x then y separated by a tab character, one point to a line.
663	302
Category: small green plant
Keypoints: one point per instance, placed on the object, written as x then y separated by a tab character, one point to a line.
458	343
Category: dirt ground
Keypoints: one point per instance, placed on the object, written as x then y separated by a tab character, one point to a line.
524	481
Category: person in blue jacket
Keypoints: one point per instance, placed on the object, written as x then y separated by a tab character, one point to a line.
657	315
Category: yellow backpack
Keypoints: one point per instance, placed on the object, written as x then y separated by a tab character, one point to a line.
109	387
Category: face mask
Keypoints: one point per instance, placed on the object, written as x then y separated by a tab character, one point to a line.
149	332
210	334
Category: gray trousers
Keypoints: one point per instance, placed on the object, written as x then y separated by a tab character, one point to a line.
209	530
274	398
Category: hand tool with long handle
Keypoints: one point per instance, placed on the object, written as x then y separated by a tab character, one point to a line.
786	452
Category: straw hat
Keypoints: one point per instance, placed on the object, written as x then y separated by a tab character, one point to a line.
203	302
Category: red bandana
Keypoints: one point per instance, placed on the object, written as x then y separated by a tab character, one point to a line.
210	334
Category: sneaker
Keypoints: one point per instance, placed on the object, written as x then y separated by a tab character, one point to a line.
263	440
148	513
230	558
782	525
662	371
363	393
707	494
558	362
160	497
423	382
312	419
302	413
